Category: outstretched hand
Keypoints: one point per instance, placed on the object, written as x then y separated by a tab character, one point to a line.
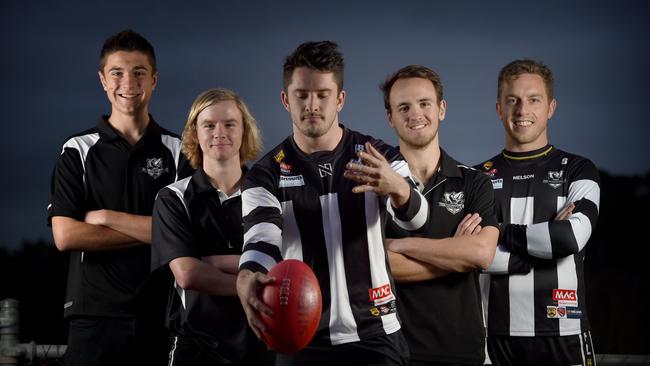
376	175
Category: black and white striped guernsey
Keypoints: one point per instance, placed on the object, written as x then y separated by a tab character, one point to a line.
300	206
537	283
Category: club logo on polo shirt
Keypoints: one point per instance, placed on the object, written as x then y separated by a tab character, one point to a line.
454	202
554	178
154	167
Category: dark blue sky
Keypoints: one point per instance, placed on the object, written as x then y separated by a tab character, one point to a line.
50	90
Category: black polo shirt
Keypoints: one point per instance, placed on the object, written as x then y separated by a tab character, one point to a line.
442	318
189	220
98	169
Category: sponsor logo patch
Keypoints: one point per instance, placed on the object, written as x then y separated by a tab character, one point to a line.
454	202
325	169
381	295
565	297
487	165
279	156
381	310
554	178
551	312
291	181
523	177
154	167
285	168
497	183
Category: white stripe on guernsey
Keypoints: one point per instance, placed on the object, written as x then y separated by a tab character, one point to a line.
581	227
377	256
174	145
179	188
568	280
291	243
522	287
500	262
521	210
561	200
257	197
522	307
83	145
265	232
258	257
181	293
538	240
584	188
418	220
343	328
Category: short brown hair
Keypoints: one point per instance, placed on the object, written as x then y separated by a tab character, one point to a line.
526	66
411	71
130	41
323	56
251	141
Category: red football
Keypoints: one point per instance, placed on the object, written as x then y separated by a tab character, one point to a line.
296	302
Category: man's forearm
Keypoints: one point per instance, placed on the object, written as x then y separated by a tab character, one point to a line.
135	226
70	234
405	269
455	254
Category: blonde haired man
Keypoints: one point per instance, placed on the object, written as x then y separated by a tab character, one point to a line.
197	235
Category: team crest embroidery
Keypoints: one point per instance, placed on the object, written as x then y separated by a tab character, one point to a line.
155	168
554	178
454	202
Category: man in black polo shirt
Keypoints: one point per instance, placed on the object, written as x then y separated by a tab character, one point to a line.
198	234
436	270
101	197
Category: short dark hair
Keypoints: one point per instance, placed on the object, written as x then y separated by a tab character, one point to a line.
526	66
411	71
130	41
322	56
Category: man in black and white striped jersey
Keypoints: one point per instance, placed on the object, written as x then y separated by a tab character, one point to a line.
297	203
547	204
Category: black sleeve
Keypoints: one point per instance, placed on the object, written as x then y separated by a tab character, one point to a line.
481	199
184	168
67	192
171	235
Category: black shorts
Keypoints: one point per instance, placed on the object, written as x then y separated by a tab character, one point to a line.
185	351
565	350
99	341
386	350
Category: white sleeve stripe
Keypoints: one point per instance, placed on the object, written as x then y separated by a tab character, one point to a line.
584	188
581	227
174	145
418	220
256	197
264	232
538	240
500	262
260	258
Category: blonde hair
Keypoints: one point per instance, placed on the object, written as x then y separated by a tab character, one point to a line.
251	141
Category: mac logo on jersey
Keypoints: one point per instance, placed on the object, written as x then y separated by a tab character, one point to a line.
154	167
381	295
454	202
325	169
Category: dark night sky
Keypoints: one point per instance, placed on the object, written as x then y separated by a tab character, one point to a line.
50	90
